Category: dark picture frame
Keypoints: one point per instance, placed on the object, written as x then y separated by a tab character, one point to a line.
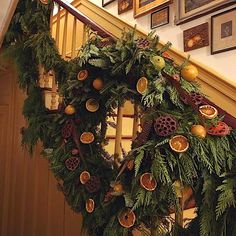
160	17
223	33
196	37
106	2
143	7
187	10
124	6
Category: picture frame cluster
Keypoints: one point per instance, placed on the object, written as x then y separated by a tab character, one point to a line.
219	32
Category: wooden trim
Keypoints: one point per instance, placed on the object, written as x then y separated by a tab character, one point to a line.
83	18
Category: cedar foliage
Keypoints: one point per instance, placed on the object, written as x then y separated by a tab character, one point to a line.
208	166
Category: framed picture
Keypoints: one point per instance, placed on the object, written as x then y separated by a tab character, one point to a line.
160	17
124	5
106	2
142	7
223	31
196	37
188	10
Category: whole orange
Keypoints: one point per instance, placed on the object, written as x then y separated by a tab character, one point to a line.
189	73
198	131
69	110
98	84
118	188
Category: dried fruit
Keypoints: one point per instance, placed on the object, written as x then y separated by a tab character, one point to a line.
82	75
148	182
72	163
208	111
165	125
70	110
198	131
86	137
179	143
127	218
189	73
98	84
75	151
158	62
142	85
90	205
92	105
84	177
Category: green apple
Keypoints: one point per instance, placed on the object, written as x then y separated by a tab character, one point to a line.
158	62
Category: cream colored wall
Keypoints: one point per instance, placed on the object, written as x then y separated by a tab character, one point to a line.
223	63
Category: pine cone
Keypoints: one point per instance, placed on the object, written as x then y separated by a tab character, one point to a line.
165	125
93	185
143	43
72	163
143	136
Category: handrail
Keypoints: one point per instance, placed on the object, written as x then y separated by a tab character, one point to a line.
83	18
229	119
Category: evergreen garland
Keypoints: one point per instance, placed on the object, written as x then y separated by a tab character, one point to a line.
207	166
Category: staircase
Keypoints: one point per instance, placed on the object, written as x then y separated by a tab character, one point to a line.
69	25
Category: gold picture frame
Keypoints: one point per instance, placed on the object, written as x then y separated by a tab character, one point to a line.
187	10
143	7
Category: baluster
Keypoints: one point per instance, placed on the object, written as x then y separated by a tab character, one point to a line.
179	216
41	76
58	26
73	50
135	122
118	139
64	36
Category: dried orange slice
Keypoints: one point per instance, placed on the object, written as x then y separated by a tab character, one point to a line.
82	75
84	177
44	1
98	84
90	205
127	218
179	143
92	105
148	182
141	85
86	137
208	111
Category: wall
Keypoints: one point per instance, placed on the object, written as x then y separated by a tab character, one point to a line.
223	63
30	203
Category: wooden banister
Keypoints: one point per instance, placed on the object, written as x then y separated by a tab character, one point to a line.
83	18
229	119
